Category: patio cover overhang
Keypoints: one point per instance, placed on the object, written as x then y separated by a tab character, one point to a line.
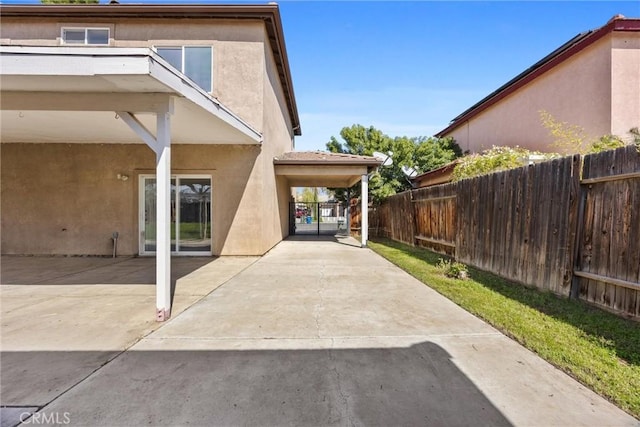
114	95
70	94
335	170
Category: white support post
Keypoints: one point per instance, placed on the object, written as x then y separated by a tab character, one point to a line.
348	212
364	221
161	145
163	216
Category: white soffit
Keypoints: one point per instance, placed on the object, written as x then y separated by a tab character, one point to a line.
70	94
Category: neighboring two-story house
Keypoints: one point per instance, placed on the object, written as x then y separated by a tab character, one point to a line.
165	127
592	81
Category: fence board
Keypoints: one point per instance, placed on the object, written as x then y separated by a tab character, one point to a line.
394	218
435	218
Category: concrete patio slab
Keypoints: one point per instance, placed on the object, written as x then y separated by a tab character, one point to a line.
54	335
322	332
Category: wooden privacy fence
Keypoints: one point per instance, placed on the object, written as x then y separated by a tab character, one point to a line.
541	225
607	267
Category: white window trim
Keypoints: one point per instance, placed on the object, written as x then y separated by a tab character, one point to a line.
141	224
173	46
85	28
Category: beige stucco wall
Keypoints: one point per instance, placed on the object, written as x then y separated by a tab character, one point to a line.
50	187
577	91
278	129
66	198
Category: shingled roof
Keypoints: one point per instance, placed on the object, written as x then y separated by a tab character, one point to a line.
323	158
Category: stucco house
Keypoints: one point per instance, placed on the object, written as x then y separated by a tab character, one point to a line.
165	128
592	81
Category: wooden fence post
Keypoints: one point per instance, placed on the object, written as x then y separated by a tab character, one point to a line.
576	218
458	222
413	217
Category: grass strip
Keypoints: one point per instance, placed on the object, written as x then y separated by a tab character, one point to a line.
598	348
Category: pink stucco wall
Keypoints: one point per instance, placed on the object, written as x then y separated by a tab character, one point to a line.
625	82
596	89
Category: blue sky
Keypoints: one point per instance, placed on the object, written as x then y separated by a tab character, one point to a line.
408	68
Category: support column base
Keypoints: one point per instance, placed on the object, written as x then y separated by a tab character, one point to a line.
162	314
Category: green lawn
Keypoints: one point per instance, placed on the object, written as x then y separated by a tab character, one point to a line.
597	348
188	231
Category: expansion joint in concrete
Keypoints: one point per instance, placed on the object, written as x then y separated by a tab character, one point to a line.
343	396
320	306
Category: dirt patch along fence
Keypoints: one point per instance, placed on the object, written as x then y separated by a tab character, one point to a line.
543	225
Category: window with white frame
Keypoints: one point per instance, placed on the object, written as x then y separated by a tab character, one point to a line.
86	36
195	62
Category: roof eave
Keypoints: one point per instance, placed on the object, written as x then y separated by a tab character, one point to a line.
434	172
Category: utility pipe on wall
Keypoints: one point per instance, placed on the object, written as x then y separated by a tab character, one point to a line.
114	237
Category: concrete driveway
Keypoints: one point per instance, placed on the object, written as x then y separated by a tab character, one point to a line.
316	332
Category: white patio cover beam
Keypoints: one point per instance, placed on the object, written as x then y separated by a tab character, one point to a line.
140	130
364	221
83	101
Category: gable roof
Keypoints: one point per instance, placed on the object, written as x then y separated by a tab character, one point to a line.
322	168
269	13
561	54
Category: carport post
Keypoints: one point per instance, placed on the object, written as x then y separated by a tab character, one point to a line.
161	145
163	216
364	221
347	214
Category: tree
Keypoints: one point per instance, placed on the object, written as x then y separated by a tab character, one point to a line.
432	153
308	195
421	153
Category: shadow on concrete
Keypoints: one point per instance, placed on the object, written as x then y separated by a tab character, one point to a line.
18	270
91	271
418	385
342	239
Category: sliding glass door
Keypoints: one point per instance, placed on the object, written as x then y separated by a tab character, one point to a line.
190	215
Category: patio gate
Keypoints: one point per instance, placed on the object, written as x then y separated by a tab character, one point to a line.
316	218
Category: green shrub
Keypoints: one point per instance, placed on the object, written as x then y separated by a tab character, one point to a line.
494	160
607	142
455	270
